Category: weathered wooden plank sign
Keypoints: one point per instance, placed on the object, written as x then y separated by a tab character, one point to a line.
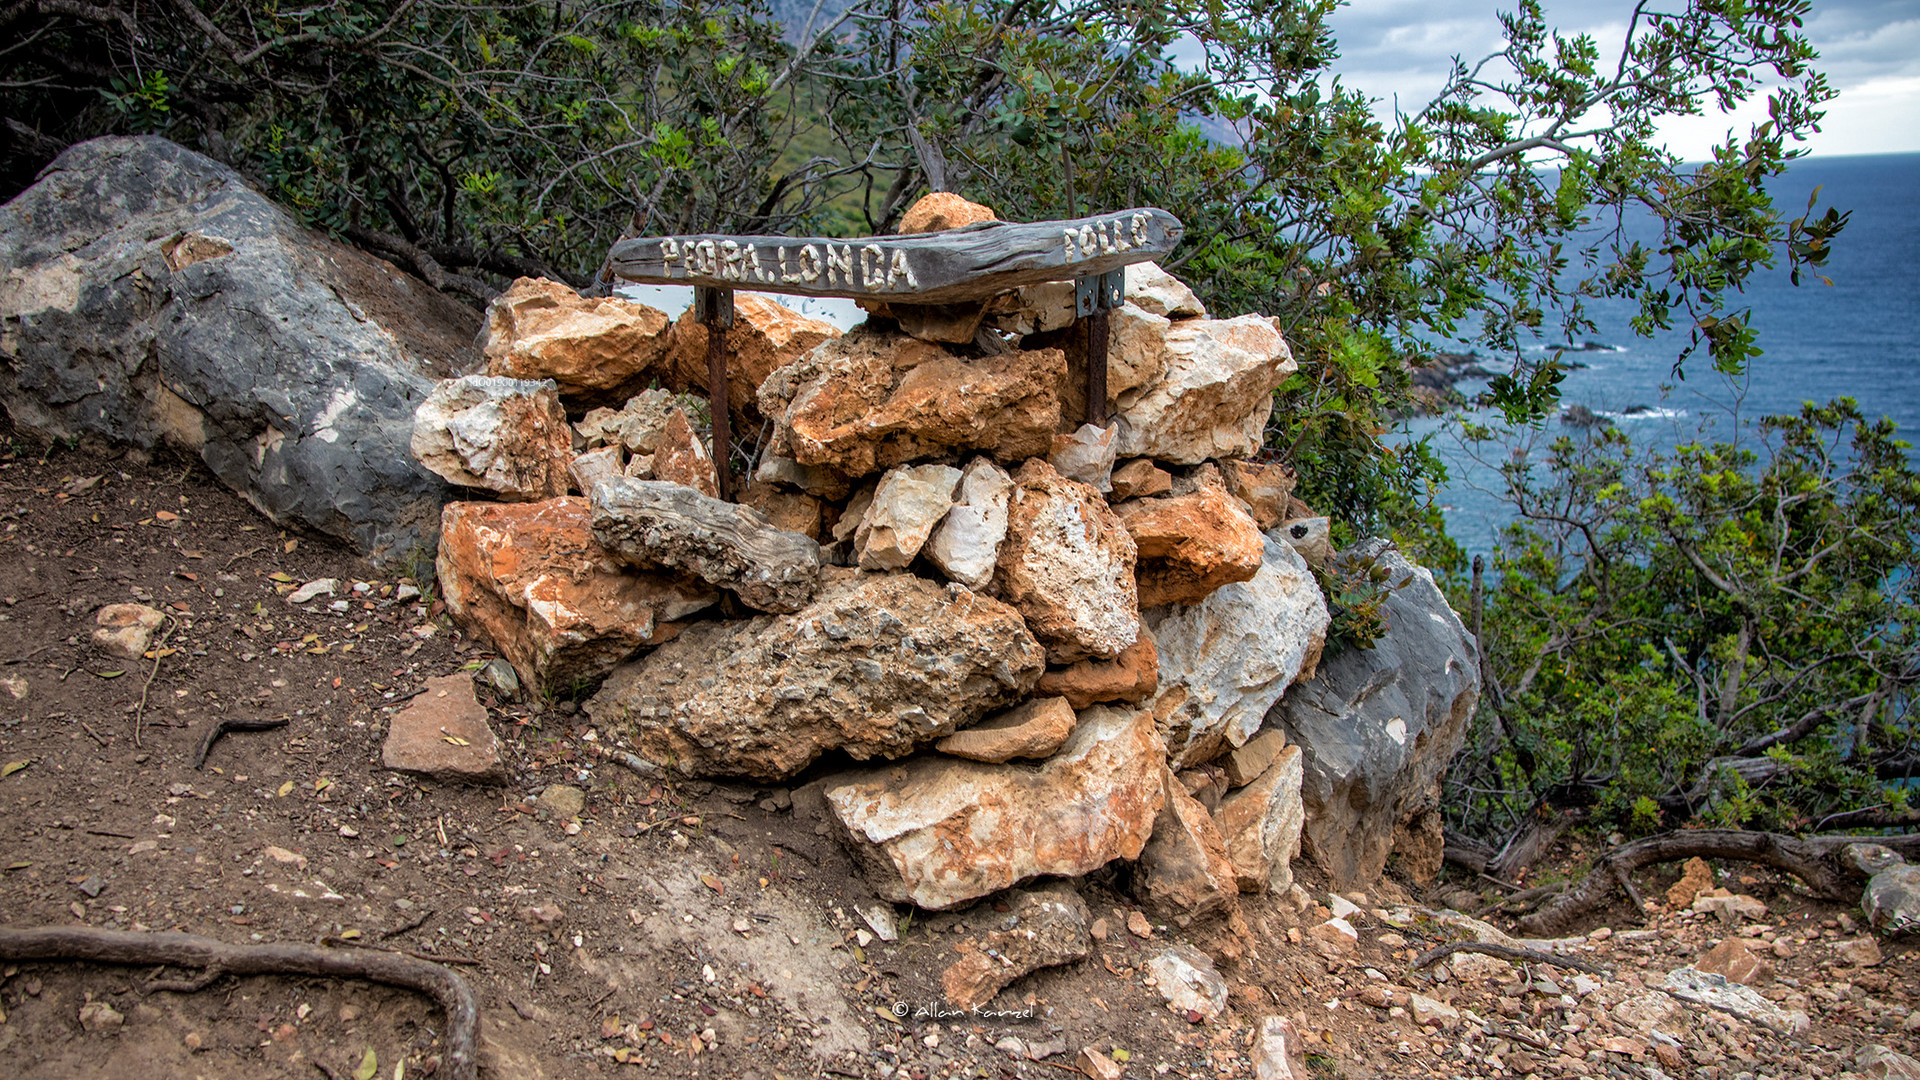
973	263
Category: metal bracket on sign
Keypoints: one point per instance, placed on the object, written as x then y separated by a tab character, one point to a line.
1102	292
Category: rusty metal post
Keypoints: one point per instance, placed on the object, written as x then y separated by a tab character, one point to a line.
1094	300
714	308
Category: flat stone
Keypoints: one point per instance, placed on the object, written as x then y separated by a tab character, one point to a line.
1139	479
541	329
1279	1054
1717	992
563	801
1130	677
1869	859
966	544
1184	870
1035	728
655	525
1189	545
875	665
507	436
443	734
1042	927
1189	982
1734	960
939	832
910	501
1428	1012
126	630
1214	394
682	458
1067	565
1261	825
1860	952
1731	908
1245	764
1086	455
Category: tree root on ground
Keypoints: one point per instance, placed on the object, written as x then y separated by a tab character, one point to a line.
1805	859
215	958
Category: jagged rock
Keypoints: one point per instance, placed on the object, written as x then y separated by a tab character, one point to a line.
1261	825
942	210
126	630
1044	927
1086	456
818	481
1140	478
1869	859
1876	1062
1696	877
966	545
1311	537
603	463
793	511
1227	659
1892	900
909	502
1243	765
1716	992
1033	729
1280	1053
1729	907
1191	544
507	436
682	458
530	578
1186	977
877	664
765	337
1067	564
1860	952
1160	293
1266	488
939	832
1735	961
1131	676
444	734
541	329
1184	869
1379	725
637	425
1214	395
1136	353
1033	309
662	526
874	399
148	296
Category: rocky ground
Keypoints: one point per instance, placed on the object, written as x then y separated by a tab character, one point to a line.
610	922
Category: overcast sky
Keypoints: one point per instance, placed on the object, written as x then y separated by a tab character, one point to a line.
1870	51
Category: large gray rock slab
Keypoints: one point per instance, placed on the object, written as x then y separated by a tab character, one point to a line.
876	665
659	525
1379	725
1892	900
151	297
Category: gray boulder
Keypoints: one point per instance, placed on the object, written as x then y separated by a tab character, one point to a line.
1892	900
150	296
1378	727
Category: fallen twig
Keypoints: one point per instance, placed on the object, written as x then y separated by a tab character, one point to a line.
216	958
1505	952
159	653
231	724
242	555
28	655
411	924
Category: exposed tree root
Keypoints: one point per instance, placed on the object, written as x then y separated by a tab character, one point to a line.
216	958
230	724
1805	859
1505	952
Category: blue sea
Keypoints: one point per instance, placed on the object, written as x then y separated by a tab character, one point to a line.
1859	337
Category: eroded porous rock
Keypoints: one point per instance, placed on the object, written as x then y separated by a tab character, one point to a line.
938	831
444	734
765	336
1044	927
1067	564
531	578
507	436
1379	725
876	665
148	296
1184	869
1035	728
1131	676
1261	824
589	346
874	399
1227	659
1191	544
1214	395
966	545
906	506
656	525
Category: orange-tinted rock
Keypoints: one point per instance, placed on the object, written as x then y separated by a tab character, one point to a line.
1043	927
765	337
943	210
1132	676
1067	564
875	398
1696	877
1184	868
1739	963
1265	487
541	329
1261	824
126	630
1032	729
531	579
939	831
793	511
682	457
444	734
1189	545
1140	478
507	436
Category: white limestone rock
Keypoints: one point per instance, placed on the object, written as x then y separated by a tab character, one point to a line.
966	545
909	502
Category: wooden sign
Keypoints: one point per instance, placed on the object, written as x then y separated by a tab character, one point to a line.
973	263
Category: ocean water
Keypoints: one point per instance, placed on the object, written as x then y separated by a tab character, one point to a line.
1859	337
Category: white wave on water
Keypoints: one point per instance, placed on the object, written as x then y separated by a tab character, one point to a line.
1643	412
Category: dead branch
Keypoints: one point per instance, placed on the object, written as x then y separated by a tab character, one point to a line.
216	958
1805	859
1505	952
231	724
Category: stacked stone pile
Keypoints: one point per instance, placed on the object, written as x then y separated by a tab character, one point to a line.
1057	643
